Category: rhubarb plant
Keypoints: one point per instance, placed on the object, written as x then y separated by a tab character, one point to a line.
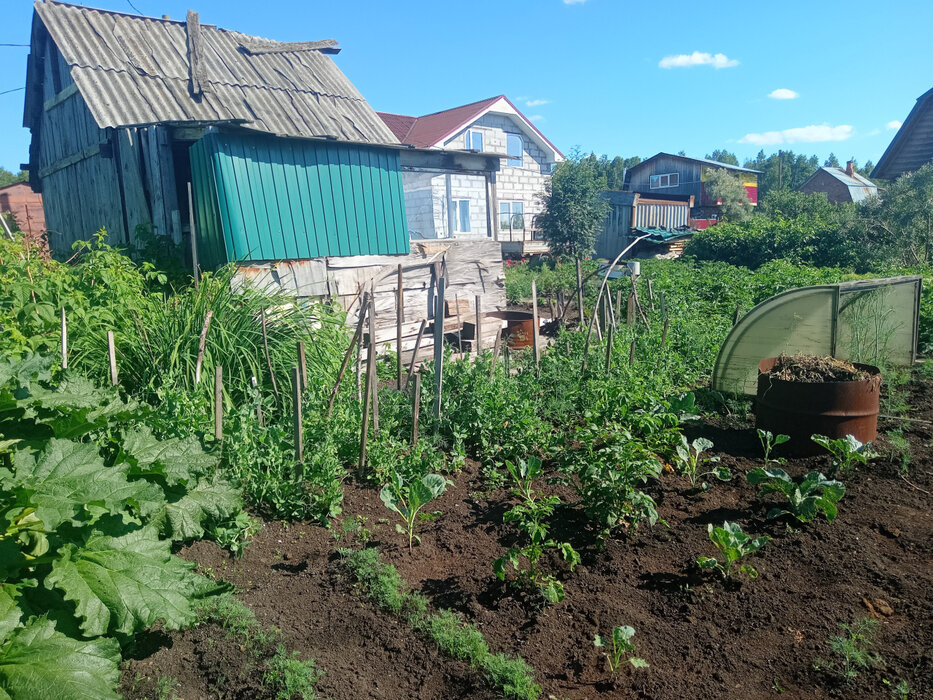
407	498
806	496
733	545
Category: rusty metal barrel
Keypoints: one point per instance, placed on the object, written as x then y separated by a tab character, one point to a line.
833	409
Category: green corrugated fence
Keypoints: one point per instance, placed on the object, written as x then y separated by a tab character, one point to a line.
269	198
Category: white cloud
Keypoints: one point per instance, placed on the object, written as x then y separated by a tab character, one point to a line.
801	134
535	103
894	124
783	94
688	60
536	118
574	2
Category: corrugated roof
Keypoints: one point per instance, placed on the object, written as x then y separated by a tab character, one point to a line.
133	70
912	145
859	187
716	163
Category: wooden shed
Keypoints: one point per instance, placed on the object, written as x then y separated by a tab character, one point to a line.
25	205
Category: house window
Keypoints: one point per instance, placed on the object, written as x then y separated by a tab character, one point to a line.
516	150
511	216
667	180
474	140
461	211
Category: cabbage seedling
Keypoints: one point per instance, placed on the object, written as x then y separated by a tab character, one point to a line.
733	544
805	498
621	646
846	452
769	441
407	499
688	457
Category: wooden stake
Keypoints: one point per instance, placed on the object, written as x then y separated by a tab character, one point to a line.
618	304
459	325
112	354
507	358
194	239
630	311
259	417
302	366
631	353
641	311
364	428
535	341
580	293
218	403
414	354
495	353
399	318
415	409
346	358
202	341
64	340
667	322
265	345
371	366
479	324
439	346
650	292
610	338
298	425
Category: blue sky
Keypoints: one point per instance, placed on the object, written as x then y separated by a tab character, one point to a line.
611	76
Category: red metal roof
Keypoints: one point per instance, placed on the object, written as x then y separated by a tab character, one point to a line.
431	129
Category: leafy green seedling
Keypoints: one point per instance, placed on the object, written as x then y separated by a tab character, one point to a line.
523	474
688	458
733	544
806	497
407	499
621	647
846	452
769	441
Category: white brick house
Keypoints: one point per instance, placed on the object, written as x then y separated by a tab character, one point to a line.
458	203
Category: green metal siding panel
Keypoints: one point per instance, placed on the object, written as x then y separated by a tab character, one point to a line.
276	198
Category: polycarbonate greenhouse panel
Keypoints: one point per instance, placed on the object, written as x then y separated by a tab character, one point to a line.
871	321
265	198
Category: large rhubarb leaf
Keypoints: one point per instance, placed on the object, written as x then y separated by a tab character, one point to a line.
69	477
210	500
176	459
129	582
39	662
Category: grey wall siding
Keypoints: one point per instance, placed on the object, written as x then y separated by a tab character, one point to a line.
689	174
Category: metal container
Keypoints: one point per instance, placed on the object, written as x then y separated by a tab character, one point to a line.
518	331
801	409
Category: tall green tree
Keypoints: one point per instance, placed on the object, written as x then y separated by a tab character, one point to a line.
8	178
729	190
832	161
574	208
723	156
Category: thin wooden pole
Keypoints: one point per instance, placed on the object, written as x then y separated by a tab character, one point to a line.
610	338
414	354
619	304
641	311
202	341
439	346
364	428
194	239
298	425
580	293
259	417
399	318
631	353
507	360
630	316
371	366
535	341
64	340
218	403
416	409
459	324
346	359
611	313
479	324
667	322
265	345
650	292
302	366
495	353
112	355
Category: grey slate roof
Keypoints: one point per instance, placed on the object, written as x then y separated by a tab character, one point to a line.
859	187
133	70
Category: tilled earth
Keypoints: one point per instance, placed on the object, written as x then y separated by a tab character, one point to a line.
703	638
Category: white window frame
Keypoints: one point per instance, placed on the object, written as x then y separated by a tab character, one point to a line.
468	139
511	161
658	182
457	204
511	205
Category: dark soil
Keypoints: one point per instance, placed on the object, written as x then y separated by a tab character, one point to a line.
703	638
812	369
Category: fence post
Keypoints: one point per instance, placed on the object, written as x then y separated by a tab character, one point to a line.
416	410
112	354
371	366
580	293
218	403
439	346
399	318
667	322
631	353
299	426
64	340
367	395
302	366
202	341
534	322
630	316
479	324
495	354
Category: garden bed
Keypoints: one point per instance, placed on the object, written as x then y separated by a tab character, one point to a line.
702	637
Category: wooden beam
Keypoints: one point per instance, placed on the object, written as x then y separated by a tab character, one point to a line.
197	85
328	46
63	163
60	97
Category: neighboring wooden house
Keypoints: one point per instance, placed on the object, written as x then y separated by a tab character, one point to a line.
294	176
669	174
663	221
912	145
840	184
25	205
503	205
